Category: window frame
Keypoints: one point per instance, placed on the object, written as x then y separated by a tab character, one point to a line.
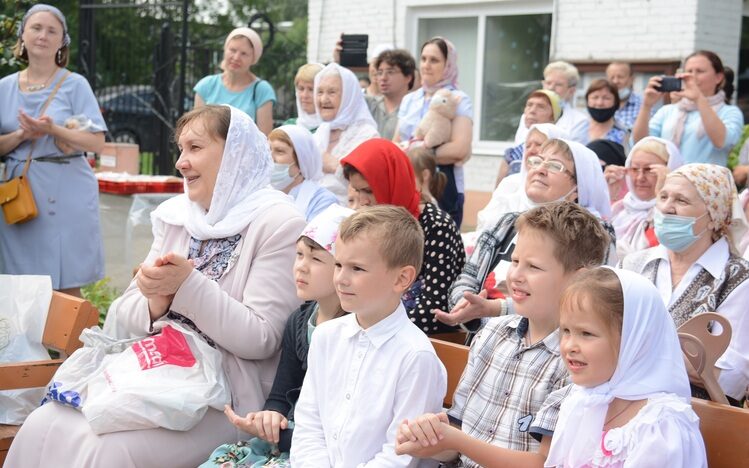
417	10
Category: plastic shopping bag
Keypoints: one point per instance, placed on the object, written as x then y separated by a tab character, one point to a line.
168	380
24	303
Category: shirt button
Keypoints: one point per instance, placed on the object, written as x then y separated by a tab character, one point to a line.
335	436
507	393
51	200
348	396
51	213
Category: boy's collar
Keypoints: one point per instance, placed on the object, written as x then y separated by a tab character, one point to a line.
380	332
551	341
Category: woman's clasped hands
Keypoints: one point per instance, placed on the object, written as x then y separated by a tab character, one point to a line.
160	281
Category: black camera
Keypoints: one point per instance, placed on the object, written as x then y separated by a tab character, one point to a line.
354	50
668	84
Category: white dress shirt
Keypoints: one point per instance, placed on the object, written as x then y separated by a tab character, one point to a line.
734	363
360	385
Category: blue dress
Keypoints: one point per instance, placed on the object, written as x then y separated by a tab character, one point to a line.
64	240
250	99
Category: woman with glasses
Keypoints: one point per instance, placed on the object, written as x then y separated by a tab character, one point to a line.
563	170
643	174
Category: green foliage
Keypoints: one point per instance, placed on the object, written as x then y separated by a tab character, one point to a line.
101	295
11	13
733	156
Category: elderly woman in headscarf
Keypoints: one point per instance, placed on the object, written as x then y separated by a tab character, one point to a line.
304	87
297	169
379	172
221	264
346	123
439	70
644	172
696	268
563	170
237	85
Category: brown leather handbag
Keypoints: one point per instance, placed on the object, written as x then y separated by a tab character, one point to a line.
16	196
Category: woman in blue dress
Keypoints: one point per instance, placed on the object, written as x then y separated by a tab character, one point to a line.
237	85
64	240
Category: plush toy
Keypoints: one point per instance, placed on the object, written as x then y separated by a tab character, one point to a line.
436	126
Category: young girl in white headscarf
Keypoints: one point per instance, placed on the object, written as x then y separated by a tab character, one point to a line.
345	123
629	405
297	169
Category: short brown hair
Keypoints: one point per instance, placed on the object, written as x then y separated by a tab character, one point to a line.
423	159
310	243
398	234
600	84
600	290
283	137
580	239
215	120
400	58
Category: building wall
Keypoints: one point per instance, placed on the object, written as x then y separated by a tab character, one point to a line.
582	31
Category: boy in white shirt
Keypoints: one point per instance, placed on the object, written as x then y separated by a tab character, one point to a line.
372	369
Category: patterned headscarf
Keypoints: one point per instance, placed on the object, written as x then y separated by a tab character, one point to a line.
50	9
323	228
717	189
450	73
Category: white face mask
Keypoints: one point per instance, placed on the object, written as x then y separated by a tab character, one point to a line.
624	93
280	178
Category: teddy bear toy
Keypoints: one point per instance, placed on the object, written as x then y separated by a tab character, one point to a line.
434	129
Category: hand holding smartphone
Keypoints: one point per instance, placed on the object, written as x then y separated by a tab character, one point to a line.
669	84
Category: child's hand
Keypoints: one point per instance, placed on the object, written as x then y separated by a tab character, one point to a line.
268	425
245	424
426	429
472	306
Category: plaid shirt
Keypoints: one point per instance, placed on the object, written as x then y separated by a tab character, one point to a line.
503	391
628	114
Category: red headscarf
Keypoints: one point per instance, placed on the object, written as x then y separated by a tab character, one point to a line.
388	172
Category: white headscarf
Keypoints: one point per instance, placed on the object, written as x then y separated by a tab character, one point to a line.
650	362
630	223
310	163
242	189
592	189
509	196
353	108
305	119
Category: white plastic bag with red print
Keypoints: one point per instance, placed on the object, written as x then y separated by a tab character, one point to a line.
168	380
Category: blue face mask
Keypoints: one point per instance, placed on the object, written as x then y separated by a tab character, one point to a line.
674	232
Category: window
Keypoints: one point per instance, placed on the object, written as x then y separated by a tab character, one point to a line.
502	50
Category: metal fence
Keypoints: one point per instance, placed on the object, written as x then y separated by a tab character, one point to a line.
142	58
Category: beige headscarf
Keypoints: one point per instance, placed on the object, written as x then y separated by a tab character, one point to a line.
252	36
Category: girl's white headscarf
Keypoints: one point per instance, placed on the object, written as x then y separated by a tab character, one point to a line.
631	222
310	163
353	108
242	188
650	362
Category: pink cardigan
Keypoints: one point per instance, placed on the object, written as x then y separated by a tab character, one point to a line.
244	312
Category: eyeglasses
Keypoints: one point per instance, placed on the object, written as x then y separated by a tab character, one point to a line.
389	72
534	162
646	171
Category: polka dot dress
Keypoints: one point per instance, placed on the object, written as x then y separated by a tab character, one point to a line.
443	261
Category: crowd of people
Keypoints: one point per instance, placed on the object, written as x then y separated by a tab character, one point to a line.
318	257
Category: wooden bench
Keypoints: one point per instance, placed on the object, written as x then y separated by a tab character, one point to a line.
725	429
68	316
454	357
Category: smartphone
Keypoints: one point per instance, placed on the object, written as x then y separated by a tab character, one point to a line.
354	50
668	84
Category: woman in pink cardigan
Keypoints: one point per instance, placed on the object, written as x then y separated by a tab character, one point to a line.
221	262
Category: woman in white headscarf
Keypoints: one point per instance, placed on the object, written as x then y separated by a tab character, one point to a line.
297	169
644	172
563	170
221	263
696	267
509	196
346	123
304	88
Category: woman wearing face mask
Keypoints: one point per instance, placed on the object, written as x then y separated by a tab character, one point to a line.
563	170
603	101
237	85
701	124
304	86
643	174
297	169
696	268
346	123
